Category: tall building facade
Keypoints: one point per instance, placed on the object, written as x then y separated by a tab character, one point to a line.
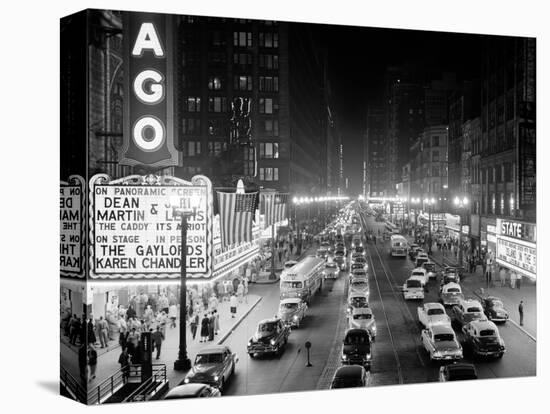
375	153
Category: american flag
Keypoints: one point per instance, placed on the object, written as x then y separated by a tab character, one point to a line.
275	207
236	215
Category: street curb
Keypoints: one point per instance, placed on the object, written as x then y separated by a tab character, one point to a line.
238	322
532	337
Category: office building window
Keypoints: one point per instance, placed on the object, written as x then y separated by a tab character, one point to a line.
269	39
512	203
268	61
269	83
268	106
242	39
217	127
215	148
249	162
243	83
501	204
244	60
217	104
192	104
269	150
216	58
271	127
269	174
214	83
435	141
493	203
191	148
217	38
191	126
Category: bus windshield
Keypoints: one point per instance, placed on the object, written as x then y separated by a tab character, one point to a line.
291	285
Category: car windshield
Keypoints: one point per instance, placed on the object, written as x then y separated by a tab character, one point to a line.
359	274
360	259
473	309
359	338
268	327
444	337
330	265
436	311
291	285
487	332
497	304
461	374
208	359
347	382
359	283
453	290
362	316
417	273
413	284
289	306
358	301
289	265
429	267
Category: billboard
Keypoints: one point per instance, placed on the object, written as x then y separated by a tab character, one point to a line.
135	234
149	128
516	246
72	233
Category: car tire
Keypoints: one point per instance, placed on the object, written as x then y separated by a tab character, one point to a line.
222	385
251	355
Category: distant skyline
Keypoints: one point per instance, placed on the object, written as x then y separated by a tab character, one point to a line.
358	58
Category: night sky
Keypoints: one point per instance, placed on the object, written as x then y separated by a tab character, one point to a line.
358	58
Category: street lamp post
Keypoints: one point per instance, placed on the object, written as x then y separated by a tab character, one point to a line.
460	204
430	202
183	363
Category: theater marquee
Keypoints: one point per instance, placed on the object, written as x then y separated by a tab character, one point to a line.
516	246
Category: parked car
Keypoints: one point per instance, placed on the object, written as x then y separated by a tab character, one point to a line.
482	338
214	365
466	310
433	313
450	277
494	309
441	343
350	376
356	349
192	391
363	318
271	337
430	269
450	294
413	288
459	371
331	270
292	311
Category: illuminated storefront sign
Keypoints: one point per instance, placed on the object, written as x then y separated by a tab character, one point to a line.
149	128
134	233
72	226
516	246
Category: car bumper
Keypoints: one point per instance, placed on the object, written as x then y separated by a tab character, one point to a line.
450	301
499	318
357	361
491	353
447	357
265	349
415	295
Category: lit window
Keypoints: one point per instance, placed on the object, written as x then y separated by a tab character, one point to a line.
214	83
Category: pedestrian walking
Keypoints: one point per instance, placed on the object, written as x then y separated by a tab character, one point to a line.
502	276
122	332
74	329
148	316
103	328
194	324
216	322
213	302
233	305
204	328
211	321
173	314
518	280
245	289
513	279
132	341
92	361
124	361
157	338
520	309
240	291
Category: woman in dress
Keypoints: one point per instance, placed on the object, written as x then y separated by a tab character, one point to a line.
204	328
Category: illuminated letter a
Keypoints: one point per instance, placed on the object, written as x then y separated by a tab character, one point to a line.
147	38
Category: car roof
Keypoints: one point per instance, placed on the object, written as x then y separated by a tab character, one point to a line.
433	305
358	295
419	269
349	371
213	349
471	302
291	300
186	390
484	324
269	320
460	366
415	277
442	329
452	285
356	331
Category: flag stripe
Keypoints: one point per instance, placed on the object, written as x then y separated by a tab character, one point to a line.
236	215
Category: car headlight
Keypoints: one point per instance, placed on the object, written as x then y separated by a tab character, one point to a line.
186	380
295	317
216	378
437	353
374	328
344	357
272	342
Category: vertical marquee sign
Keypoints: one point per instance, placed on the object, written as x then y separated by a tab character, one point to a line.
134	234
72	233
149	127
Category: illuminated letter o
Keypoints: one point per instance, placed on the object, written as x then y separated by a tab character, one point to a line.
139	128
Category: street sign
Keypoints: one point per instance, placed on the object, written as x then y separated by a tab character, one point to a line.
135	234
72	231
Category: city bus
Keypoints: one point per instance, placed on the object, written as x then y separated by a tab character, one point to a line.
398	245
303	279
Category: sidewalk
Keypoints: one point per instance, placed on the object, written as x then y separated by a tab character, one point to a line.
474	282
108	362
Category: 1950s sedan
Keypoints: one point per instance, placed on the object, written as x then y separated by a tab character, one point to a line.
270	338
482	338
214	365
433	313
451	294
441	344
292	311
363	318
494	309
